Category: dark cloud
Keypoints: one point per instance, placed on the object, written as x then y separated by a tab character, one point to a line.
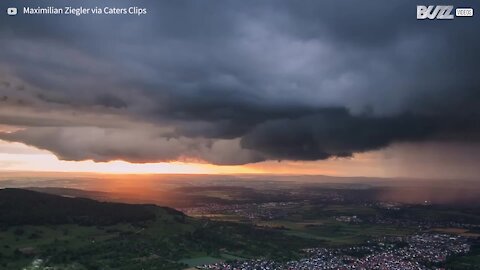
234	82
339	134
109	100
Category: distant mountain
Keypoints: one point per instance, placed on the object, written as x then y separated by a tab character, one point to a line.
22	207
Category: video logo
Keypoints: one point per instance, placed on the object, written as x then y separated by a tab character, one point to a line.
434	12
12	11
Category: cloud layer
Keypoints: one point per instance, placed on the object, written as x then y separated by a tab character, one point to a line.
236	82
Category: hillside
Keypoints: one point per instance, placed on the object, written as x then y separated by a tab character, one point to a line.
78	233
25	207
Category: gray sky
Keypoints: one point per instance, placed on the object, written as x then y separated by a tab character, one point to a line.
239	82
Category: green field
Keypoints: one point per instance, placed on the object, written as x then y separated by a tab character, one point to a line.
86	234
156	244
470	261
200	261
319	223
335	233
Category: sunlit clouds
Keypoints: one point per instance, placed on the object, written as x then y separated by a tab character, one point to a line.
405	160
19	157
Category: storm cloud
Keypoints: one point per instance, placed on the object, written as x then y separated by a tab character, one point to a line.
235	82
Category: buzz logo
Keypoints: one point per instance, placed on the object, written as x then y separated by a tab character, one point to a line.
434	12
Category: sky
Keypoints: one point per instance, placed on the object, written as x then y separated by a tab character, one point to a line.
309	87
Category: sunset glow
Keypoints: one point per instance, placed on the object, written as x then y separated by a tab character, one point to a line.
390	162
20	157
25	158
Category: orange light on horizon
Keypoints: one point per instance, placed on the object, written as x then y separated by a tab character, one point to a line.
18	157
49	162
21	157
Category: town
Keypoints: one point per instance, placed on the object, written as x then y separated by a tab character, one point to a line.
416	252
